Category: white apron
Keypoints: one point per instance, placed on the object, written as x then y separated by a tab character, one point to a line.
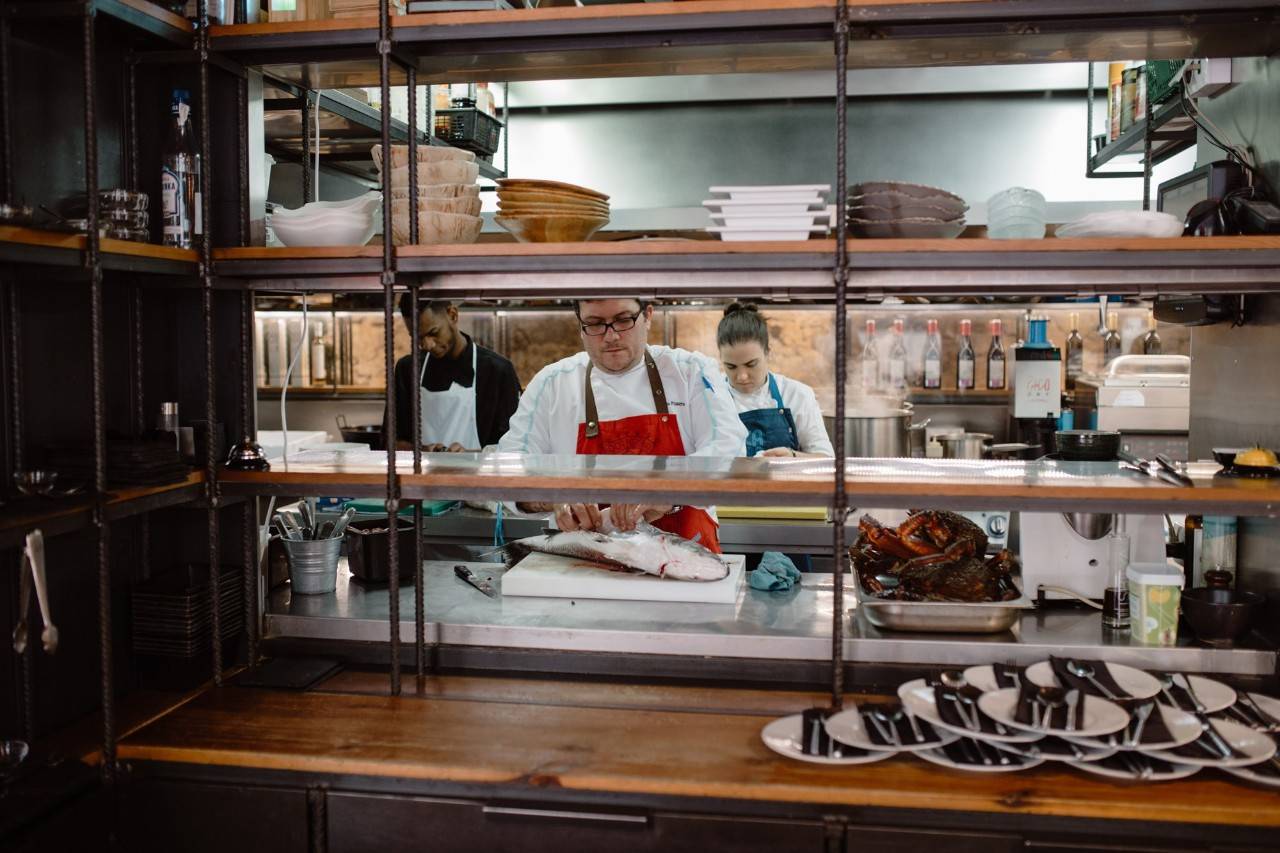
450	416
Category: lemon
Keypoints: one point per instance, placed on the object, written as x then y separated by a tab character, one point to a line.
1258	457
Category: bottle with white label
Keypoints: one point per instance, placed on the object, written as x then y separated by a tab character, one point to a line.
871	360
180	178
995	359
319	365
966	361
1111	340
932	356
1075	353
898	359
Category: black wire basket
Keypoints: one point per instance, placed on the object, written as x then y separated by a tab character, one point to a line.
469	128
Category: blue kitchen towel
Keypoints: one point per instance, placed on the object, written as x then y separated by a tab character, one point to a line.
776	573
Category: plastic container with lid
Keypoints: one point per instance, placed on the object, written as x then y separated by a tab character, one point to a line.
1155	593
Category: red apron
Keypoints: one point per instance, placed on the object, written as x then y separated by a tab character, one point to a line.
647	435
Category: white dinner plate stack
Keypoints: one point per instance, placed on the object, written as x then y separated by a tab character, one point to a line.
448	201
771	212
880	209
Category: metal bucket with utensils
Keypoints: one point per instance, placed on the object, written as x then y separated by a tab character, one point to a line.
313	564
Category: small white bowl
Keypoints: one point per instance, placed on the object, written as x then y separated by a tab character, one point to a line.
361	205
333	230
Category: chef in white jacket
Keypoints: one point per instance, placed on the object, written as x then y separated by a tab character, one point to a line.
622	396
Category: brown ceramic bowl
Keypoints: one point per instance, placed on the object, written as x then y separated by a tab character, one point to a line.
552	229
526	184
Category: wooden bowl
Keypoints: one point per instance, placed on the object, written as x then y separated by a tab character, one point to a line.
547	197
457	190
552	229
426	154
446	204
525	184
551	209
443	172
437	227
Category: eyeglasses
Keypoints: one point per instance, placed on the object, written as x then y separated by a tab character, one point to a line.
622	324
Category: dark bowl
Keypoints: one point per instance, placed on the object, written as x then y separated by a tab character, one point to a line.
370	434
1221	615
1226	456
1086	445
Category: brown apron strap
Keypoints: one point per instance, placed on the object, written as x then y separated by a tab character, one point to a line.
655	386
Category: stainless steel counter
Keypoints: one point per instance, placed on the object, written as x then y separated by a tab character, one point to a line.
795	625
474	527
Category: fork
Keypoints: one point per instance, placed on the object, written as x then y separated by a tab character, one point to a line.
1268	722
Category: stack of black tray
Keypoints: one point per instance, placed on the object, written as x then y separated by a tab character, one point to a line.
130	462
173	614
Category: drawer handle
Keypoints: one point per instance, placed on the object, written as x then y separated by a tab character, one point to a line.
558	814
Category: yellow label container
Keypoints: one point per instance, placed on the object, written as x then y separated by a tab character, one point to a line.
1155	593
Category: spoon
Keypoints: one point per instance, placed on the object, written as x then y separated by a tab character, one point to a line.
891	719
1083	670
1052	698
955	681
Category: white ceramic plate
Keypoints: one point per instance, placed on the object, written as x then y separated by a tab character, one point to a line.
1135	682
1256	747
769	192
782	207
1123	223
1116	769
982	677
1213	695
1269	704
1018	762
1100	716
1058	749
848	727
1251	774
917	699
798	221
783	737
1182	725
748	234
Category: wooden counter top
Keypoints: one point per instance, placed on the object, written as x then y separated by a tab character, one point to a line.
627	739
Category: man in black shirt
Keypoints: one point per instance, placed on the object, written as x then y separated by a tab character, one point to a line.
469	392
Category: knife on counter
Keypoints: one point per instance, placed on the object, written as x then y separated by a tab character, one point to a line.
471	578
1161	468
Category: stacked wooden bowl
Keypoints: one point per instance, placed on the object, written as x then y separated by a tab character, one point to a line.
448	202
550	211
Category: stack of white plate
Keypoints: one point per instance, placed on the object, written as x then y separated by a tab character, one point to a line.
771	212
448	202
898	209
329	223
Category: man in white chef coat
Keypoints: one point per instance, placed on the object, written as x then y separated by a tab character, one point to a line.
621	396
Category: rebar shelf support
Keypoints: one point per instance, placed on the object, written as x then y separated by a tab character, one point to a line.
840	505
206	309
389	299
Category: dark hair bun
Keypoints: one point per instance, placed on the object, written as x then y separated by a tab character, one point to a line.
734	307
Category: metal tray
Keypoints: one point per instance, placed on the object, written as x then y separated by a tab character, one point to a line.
946	617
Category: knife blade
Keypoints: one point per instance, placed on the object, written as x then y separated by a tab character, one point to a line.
471	578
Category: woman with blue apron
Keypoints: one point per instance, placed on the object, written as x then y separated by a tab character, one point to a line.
781	415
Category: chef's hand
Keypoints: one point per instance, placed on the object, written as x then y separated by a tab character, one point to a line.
779	451
456	448
578	517
627	516
433	448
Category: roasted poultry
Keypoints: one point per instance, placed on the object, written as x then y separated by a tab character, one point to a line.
932	556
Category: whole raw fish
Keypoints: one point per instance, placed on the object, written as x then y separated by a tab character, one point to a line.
645	549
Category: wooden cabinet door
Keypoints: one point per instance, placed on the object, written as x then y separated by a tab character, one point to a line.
880	839
165	815
360	823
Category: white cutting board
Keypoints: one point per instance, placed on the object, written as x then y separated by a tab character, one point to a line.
554	576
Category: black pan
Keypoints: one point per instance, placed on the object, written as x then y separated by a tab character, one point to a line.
1086	445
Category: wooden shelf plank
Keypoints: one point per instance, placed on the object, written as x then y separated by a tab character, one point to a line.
67	515
895	483
693	753
35	245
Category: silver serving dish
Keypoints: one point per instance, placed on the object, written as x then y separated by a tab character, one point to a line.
940	617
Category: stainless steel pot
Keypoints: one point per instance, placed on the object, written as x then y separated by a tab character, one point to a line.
879	432
966	445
